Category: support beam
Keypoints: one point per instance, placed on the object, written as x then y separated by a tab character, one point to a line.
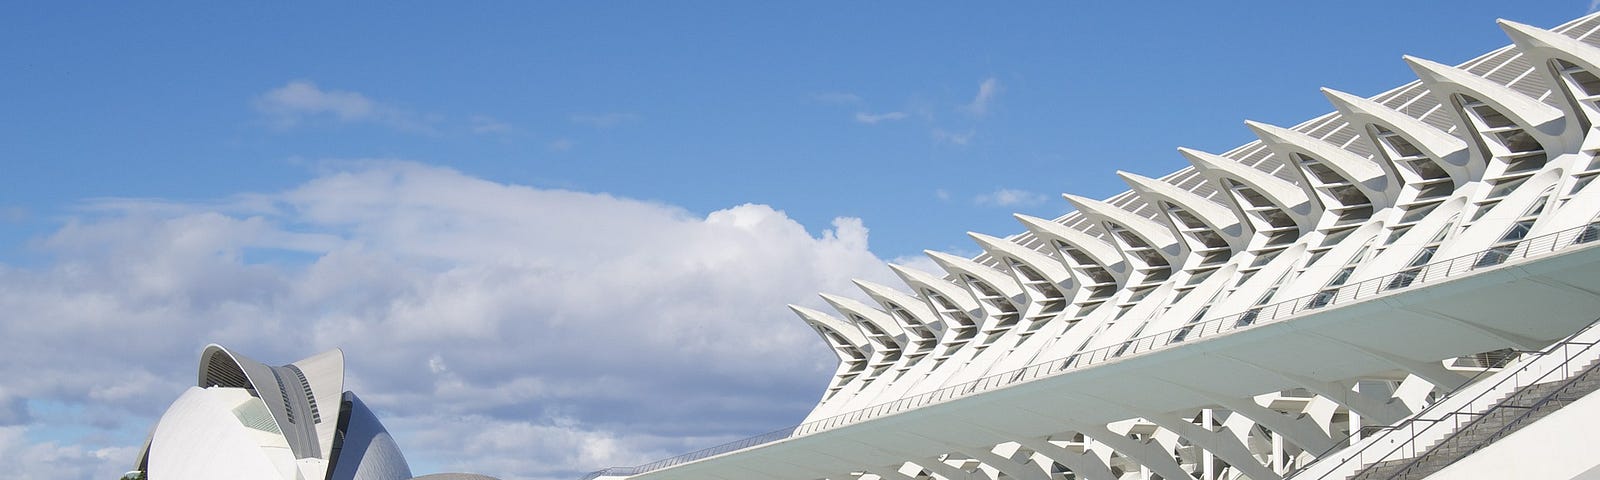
941	469
887	473
1082	464
1013	469
1221	444
1379	411
1299	429
1146	454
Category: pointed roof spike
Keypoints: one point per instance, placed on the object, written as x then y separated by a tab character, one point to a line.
919	280
1159	236
1450	151
917	308
878	318
1099	250
1039	262
1528	37
1287	196
1218	217
821	320
324	374
994	278
1361	172
1525	110
1543	46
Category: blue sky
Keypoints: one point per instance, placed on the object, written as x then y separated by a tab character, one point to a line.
189	168
702	105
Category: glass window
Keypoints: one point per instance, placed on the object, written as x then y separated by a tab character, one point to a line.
1518	231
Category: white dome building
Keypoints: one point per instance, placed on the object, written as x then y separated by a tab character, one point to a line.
247	420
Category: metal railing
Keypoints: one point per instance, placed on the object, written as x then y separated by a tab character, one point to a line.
1421	424
1569	381
1404	279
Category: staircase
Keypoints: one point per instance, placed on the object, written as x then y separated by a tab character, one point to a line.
1510	413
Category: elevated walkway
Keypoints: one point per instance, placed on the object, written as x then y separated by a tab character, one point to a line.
1454	308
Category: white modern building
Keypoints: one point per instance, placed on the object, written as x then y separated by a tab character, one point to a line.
1401	288
247	420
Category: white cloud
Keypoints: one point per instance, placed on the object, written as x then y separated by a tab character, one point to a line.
484	124
516	331
50	459
299	102
561	145
954	138
604	120
1009	197
987	91
874	118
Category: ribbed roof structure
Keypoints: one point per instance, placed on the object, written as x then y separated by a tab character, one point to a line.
1242	317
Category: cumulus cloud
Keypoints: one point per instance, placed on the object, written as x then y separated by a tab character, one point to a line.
522	332
987	91
299	102
1009	197
874	118
49	459
604	120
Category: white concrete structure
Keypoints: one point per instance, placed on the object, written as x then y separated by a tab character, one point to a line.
247	420
1239	317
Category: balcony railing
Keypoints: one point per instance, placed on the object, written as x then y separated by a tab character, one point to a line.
1418	433
1402	280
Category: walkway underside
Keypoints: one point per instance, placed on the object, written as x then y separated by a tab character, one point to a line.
1035	424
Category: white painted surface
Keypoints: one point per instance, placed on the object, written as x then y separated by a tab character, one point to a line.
1558	446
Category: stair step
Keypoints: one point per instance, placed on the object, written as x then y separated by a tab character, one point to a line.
1490	426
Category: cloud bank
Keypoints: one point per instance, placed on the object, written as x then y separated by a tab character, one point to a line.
515	331
1009	197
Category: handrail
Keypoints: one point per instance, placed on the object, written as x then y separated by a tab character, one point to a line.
1529	360
1527	410
1404	279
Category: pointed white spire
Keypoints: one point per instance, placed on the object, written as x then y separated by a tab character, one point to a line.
994	278
1434	143
1287	196
919	281
824	322
1360	172
1157	236
1039	262
853	310
887	296
1216	216
1099	251
1529	38
1543	47
1544	122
